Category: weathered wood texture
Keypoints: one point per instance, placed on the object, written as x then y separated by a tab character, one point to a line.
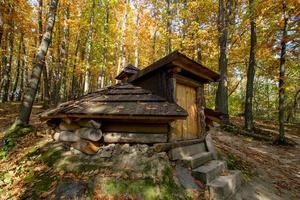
200	110
134	138
181	61
159	147
186	98
134	128
156	82
121	100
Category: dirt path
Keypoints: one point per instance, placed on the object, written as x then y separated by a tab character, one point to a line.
273	171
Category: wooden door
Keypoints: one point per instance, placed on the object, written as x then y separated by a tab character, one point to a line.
186	97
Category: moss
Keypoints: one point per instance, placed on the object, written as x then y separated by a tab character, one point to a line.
38	183
51	156
146	188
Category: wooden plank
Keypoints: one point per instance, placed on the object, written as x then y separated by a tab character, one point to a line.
171	89
186	98
201	116
134	127
128	98
159	147
127	91
186	81
127	117
134	138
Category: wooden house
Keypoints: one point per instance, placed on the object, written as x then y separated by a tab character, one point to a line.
161	103
180	80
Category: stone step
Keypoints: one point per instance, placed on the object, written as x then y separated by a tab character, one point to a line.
181	152
209	171
196	160
223	187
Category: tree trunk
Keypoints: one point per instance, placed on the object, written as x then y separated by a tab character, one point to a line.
251	72
74	79
168	27
14	90
31	90
1	29
64	52
136	34
281	138
88	50
105	42
222	91
122	56
294	106
7	69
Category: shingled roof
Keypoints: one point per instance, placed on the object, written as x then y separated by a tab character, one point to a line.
116	102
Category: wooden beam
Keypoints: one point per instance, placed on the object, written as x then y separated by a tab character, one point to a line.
159	147
186	81
134	127
192	70
134	138
145	117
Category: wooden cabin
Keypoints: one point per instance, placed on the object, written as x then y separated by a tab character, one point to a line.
180	80
161	103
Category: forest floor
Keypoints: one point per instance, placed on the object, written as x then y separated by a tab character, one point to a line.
270	172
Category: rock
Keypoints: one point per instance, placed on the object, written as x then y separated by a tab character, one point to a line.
70	189
185	178
210	146
89	133
125	148
89	123
63	126
107	151
65	136
75	151
86	146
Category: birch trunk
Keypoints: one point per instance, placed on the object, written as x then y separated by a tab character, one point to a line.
281	138
122	55
64	53
31	90
7	69
88	51
136	34
15	85
105	42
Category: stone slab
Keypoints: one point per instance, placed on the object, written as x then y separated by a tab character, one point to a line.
209	171
181	152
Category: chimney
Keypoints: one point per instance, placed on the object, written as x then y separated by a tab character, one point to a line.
127	72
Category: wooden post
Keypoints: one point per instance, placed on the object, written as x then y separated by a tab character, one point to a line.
171	94
200	108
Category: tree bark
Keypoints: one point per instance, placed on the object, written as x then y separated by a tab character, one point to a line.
168	27
122	56
222	91
7	69
88	50
64	49
31	90
1	29
74	79
251	72
14	90
136	34
281	138
105	42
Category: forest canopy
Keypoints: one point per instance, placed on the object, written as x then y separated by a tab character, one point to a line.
93	40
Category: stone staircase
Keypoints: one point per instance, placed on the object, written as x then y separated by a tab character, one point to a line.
222	183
